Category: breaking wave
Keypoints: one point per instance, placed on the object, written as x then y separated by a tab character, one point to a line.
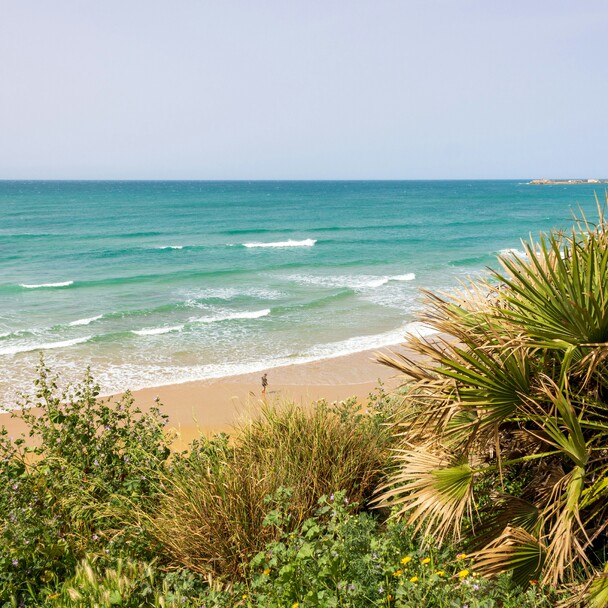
40	285
155	331
233	316
26	348
84	321
289	243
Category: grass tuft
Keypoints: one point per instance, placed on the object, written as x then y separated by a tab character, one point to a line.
219	496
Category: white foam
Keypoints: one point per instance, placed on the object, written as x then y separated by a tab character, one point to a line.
155	331
33	286
356	282
512	251
115	378
257	314
139	376
26	348
410	276
384	280
229	293
85	321
289	243
171	247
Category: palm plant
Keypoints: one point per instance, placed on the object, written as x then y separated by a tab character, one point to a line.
503	433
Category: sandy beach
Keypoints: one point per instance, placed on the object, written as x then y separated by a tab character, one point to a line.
212	406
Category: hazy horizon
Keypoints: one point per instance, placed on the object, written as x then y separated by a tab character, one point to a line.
274	91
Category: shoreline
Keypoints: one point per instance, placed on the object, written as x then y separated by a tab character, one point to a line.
216	405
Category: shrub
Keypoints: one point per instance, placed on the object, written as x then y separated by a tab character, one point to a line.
339	557
211	517
65	494
503	433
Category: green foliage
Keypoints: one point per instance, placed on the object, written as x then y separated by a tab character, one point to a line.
337	557
342	558
503	433
87	462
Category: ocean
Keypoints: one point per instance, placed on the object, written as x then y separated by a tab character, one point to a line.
153	283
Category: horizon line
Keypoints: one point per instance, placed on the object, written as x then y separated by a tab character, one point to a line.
393	179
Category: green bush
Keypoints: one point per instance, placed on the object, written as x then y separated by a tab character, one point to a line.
343	558
64	491
337	557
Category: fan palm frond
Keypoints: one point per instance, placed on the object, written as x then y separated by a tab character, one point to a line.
515	549
433	488
593	593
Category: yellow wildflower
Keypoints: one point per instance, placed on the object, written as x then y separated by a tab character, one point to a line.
406	560
389	597
53	596
397	572
440	572
267	571
244	596
463	573
461	556
414	579
426	560
295	605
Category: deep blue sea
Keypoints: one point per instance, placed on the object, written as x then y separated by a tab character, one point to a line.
152	283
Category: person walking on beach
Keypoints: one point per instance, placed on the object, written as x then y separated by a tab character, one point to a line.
264	384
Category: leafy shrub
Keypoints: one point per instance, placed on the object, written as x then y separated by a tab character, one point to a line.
211	516
341	558
337	557
87	461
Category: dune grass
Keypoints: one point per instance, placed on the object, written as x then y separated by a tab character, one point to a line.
217	496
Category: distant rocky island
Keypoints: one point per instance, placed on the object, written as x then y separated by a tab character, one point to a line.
568	181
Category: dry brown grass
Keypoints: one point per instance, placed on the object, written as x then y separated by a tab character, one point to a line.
211	519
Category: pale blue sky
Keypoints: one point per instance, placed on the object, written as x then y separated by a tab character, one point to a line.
303	89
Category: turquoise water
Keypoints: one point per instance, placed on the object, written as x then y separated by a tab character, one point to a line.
161	282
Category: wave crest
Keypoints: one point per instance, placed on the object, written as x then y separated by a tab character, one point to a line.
84	321
26	348
360	282
289	243
257	314
513	251
155	331
40	285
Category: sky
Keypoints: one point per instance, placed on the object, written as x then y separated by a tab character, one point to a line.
303	89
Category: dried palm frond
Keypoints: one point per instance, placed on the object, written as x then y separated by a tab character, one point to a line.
433	488
515	549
